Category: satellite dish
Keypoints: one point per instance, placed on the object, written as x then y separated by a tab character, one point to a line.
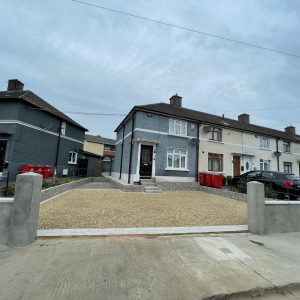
277	153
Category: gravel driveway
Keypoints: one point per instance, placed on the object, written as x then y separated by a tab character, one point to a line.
112	208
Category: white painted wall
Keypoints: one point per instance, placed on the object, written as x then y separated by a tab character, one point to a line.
235	142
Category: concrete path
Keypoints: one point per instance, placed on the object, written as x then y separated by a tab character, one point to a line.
101	183
176	267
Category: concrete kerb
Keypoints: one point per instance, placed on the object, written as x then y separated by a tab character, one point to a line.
80	232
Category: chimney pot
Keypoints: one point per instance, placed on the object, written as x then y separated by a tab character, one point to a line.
176	100
14	85
244	118
290	130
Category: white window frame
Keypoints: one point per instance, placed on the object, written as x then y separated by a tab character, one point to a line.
177	127
63	128
73	160
177	152
264	142
263	163
289	165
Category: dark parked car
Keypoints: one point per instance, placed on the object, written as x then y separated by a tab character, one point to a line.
286	185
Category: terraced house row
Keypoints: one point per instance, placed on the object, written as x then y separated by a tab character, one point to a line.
168	142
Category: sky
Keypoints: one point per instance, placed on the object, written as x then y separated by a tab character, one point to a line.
83	59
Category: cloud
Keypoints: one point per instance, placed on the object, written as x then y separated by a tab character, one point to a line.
81	58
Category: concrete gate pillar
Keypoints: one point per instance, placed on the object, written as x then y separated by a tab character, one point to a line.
25	210
256	207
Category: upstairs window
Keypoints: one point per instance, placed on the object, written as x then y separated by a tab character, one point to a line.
286	146
264	142
63	128
109	147
72	160
177	158
177	127
215	134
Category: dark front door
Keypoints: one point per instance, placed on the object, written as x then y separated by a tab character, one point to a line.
2	153
146	161
236	166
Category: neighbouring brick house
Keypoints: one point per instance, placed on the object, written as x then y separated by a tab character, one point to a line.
171	143
33	132
102	146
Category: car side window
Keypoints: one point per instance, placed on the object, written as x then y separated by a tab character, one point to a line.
253	174
268	175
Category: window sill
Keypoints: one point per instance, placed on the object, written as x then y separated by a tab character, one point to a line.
266	149
177	169
287	152
71	163
178	135
217	142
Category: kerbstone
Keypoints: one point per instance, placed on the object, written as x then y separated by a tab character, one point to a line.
25	211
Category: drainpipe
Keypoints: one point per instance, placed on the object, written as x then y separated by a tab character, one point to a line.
131	146
122	150
197	152
57	148
277	155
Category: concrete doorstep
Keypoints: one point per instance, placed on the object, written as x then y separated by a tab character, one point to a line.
211	266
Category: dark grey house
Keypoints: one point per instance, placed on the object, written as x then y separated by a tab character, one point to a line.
33	132
156	141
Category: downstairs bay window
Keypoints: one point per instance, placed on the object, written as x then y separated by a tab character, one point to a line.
177	159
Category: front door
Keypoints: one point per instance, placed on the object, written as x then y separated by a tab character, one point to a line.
236	165
2	153
146	161
247	164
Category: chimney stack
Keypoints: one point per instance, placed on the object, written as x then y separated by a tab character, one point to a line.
244	118
14	85
290	130
176	100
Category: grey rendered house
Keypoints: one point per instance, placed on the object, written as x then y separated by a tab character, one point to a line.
157	141
33	132
168	142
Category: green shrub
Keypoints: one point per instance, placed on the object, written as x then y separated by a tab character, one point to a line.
240	188
229	180
10	192
224	180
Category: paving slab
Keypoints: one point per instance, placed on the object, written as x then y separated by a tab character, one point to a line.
208	266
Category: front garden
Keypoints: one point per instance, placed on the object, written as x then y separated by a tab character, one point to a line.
9	191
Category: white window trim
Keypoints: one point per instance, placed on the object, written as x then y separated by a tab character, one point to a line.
63	128
290	164
263	162
76	156
186	160
181	125
262	146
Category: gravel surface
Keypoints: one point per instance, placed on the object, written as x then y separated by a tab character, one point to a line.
112	208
